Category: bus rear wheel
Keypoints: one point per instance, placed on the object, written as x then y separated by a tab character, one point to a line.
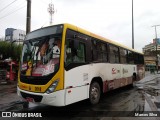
94	93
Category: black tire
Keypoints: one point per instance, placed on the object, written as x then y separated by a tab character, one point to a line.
94	93
134	77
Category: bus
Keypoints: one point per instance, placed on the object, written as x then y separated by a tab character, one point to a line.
63	64
8	71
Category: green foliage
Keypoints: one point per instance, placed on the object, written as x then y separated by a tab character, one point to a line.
8	49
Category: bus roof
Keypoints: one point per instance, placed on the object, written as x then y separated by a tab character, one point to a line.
76	28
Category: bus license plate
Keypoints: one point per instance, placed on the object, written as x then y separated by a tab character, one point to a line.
29	99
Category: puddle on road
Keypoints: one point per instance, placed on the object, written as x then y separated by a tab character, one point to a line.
152	88
5	90
130	100
13	106
8	89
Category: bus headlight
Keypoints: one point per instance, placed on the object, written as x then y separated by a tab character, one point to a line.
52	87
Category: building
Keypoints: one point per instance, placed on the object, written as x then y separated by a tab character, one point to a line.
152	46
150	62
9	34
12	34
151	56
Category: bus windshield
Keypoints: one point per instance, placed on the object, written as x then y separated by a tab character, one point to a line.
41	56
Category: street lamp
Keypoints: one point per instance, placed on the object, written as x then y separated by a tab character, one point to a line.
155	26
132	27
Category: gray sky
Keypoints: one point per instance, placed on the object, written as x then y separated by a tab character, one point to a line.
111	19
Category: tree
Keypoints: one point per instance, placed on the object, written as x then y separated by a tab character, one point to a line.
8	49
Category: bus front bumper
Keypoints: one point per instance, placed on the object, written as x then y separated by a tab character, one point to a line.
53	99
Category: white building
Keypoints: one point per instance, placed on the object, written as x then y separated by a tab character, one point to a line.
12	34
19	34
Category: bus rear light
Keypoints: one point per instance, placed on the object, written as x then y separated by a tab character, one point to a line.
52	87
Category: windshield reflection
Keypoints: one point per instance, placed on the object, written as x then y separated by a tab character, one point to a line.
40	57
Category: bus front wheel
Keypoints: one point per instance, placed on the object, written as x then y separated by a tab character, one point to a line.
94	93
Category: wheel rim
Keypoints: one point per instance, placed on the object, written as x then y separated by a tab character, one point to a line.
94	93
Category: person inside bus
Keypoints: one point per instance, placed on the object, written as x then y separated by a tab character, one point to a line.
49	55
50	50
57	46
43	52
56	53
71	55
75	55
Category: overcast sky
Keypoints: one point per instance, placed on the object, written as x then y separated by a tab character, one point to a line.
111	19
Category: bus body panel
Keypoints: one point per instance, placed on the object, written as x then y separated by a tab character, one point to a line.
54	99
77	84
76	94
113	76
109	71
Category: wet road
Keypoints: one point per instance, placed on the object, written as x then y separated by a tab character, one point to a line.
119	104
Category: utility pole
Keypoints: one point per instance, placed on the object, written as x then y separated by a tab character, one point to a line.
155	26
28	23
132	27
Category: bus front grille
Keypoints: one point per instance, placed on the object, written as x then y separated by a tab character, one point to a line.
37	98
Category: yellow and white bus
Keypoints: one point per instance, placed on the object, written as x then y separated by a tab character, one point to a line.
64	64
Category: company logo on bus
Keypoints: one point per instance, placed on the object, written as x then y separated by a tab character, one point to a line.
114	71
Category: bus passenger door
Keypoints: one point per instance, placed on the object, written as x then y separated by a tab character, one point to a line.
76	70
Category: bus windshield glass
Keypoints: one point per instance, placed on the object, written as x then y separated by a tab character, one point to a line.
41	56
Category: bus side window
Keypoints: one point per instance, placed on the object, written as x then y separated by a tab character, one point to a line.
81	52
99	51
123	55
136	59
141	59
94	50
130	57
74	54
68	54
114	54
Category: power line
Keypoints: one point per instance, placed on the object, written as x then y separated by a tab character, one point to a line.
7	6
12	12
11	9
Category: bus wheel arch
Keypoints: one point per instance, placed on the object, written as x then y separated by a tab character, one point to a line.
95	90
134	77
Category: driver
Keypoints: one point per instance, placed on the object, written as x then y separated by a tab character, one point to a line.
43	52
